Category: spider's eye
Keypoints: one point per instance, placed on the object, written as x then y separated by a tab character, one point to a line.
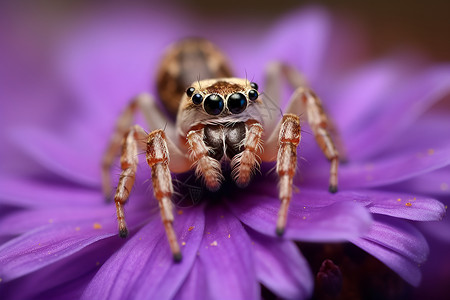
254	85
197	99
213	104
237	103
190	91
252	95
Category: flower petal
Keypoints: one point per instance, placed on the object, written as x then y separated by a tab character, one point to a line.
281	267
401	109
144	267
386	170
338	221
225	265
48	244
397	244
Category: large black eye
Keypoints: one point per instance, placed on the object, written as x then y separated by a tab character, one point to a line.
190	91
213	104
197	99
237	103
252	95
254	85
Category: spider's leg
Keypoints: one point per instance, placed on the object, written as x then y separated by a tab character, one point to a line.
205	166
288	140
244	163
304	99
158	160
134	140
154	117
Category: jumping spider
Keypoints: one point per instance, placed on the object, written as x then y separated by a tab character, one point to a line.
219	120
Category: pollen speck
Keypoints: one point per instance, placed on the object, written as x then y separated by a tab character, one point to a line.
1	279
208	232
408	204
190	228
183	244
214	243
77	228
140	239
304	218
97	226
50	220
229	235
97	263
444	186
180	212
399	199
430	151
222	217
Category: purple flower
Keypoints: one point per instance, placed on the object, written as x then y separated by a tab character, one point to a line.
60	237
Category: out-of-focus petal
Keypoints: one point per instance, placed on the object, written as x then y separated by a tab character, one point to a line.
401	109
397	244
144	268
383	171
48	244
339	221
225	262
281	267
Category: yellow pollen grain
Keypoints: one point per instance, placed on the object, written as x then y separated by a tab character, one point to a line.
77	228
180	212
430	151
140	239
183	243
222	217
50	220
208	232
229	235
214	243
97	226
399	199
304	218
408	204
444	186
190	228
97	263
1	279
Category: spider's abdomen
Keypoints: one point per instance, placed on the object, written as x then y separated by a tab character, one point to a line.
187	61
225	140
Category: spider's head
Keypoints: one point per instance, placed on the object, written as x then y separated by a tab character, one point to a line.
218	101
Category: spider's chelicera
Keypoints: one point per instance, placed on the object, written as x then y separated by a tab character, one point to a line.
219	120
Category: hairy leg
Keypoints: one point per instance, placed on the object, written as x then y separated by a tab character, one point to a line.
154	117
205	166
245	163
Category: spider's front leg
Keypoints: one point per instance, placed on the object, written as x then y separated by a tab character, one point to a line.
205	166
288	140
157	154
158	160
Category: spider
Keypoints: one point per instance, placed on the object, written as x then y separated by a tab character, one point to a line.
219	121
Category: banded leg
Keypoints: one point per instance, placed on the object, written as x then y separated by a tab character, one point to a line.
205	166
246	162
158	160
154	117
322	127
289	138
304	99
134	140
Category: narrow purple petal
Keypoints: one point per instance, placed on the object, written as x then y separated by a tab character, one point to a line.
48	244
33	193
281	267
384	171
338	221
398	244
225	262
144	267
